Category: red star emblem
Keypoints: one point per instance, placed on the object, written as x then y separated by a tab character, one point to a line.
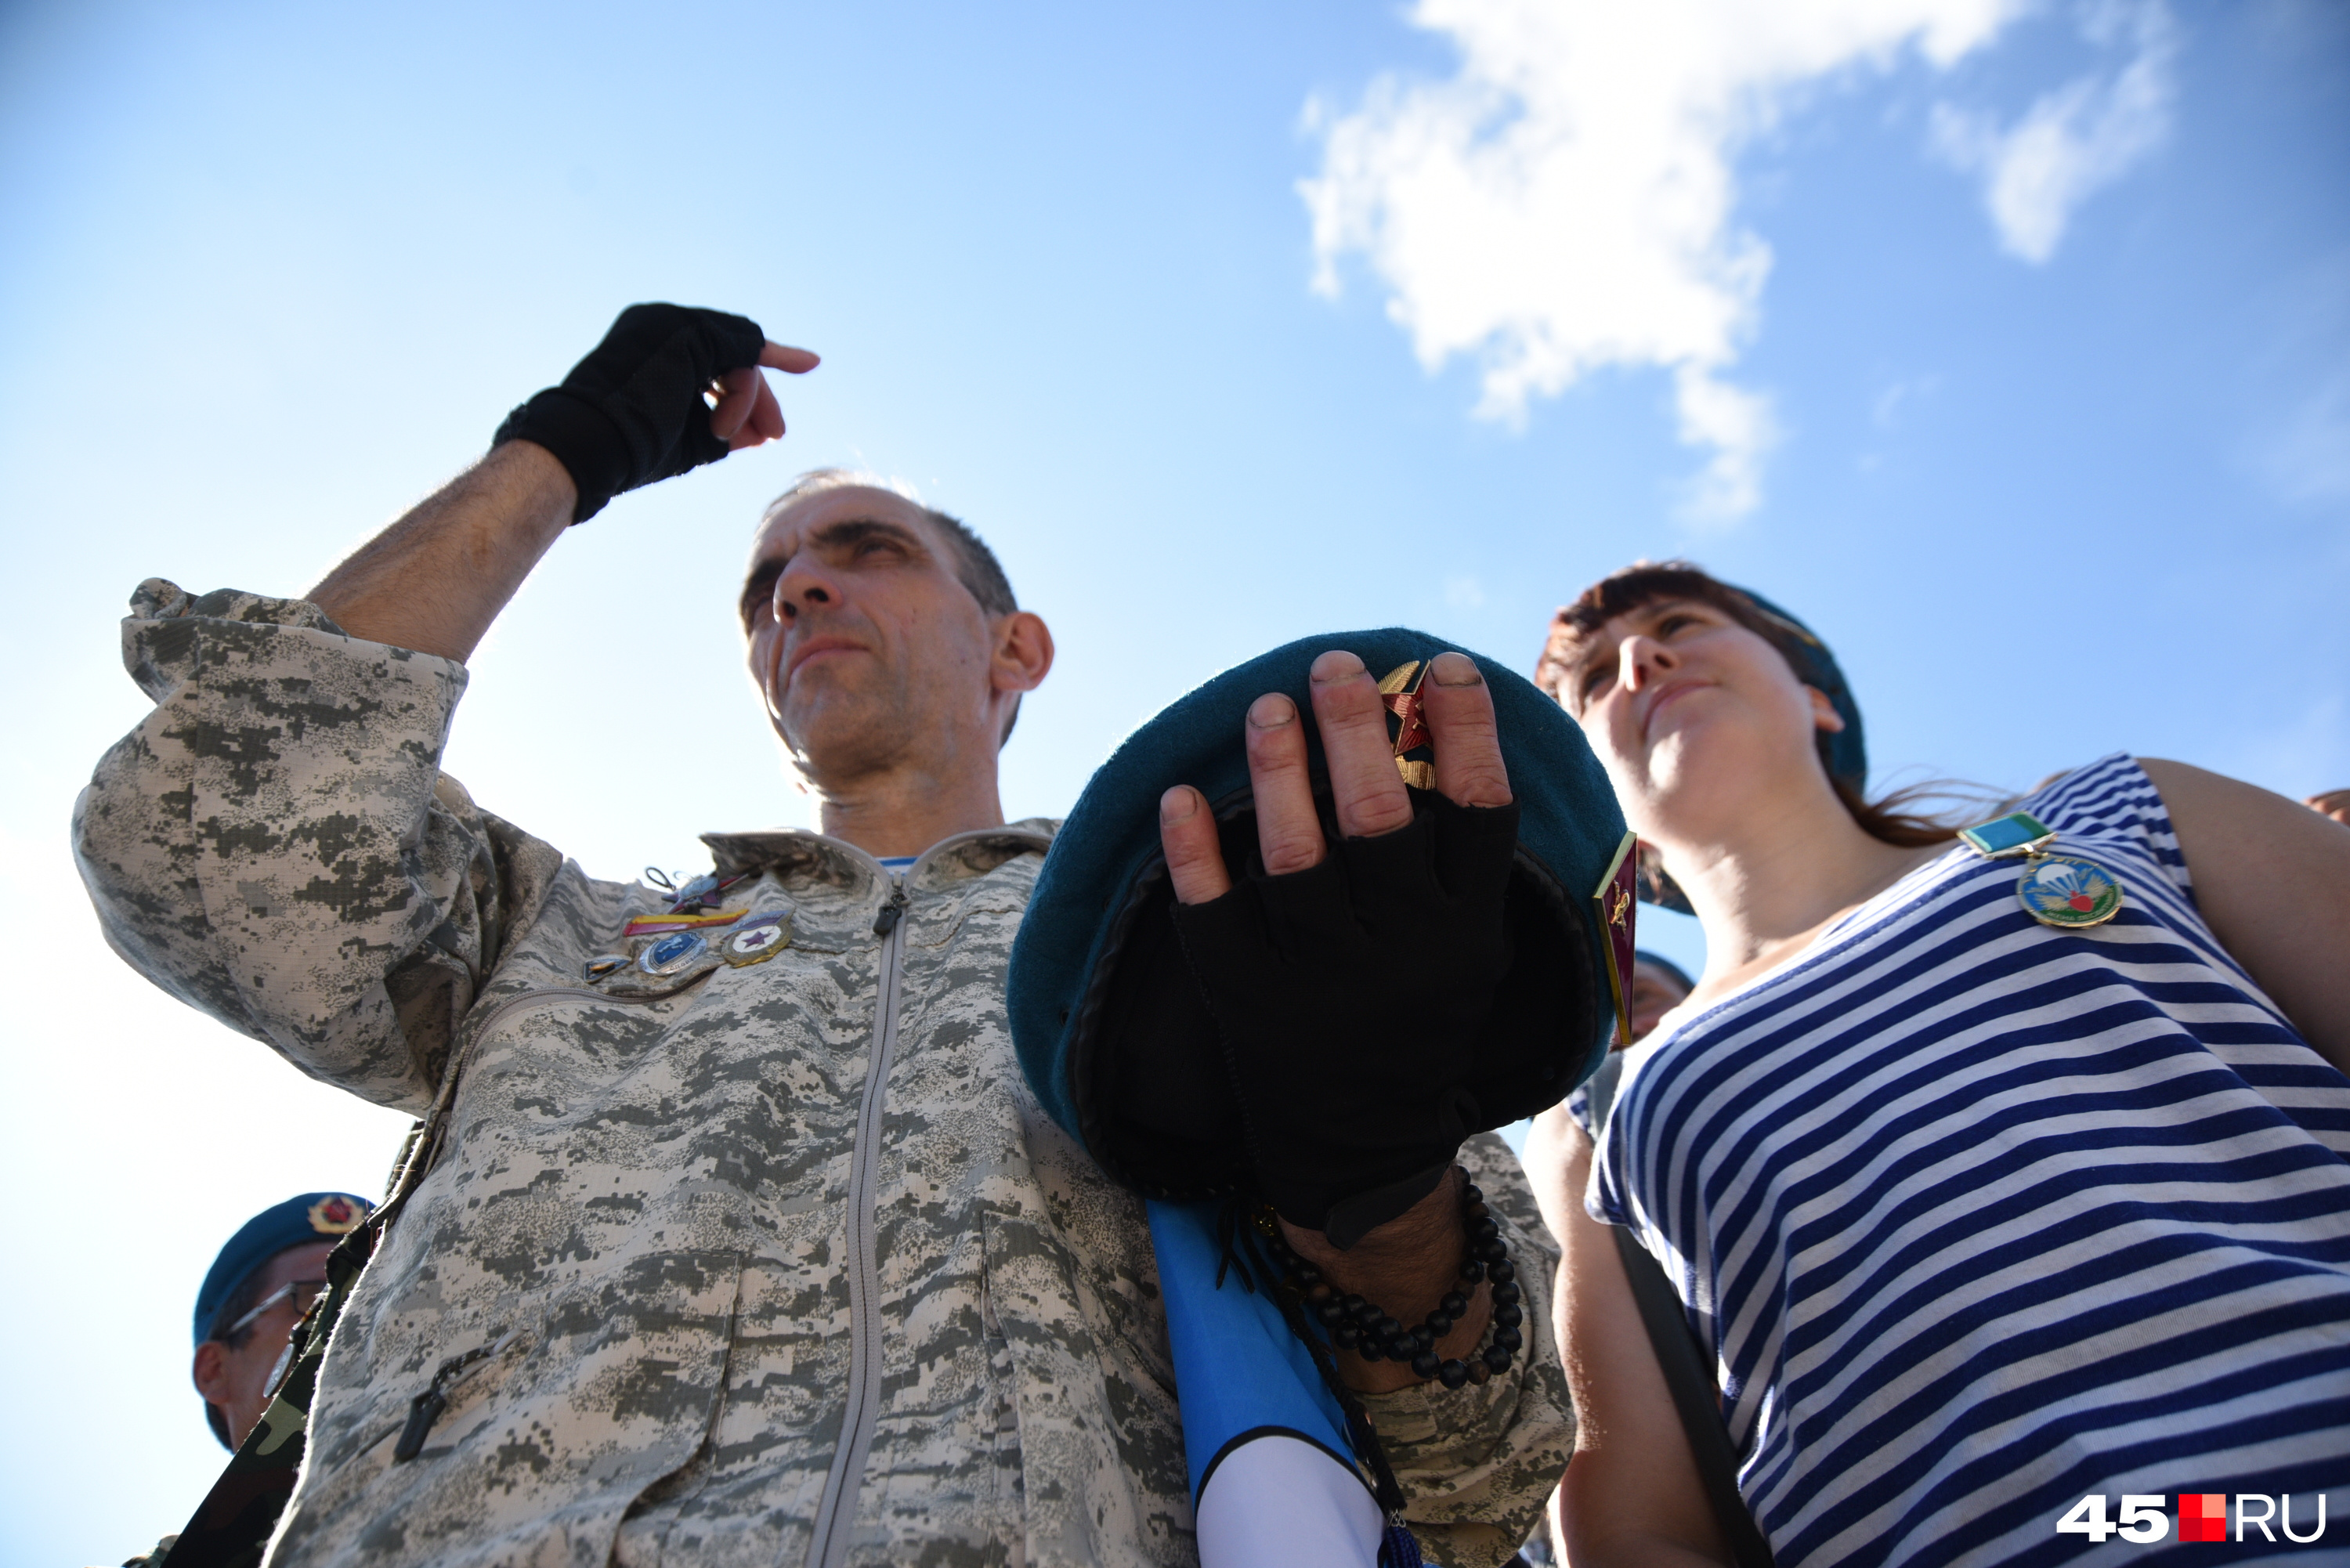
335	1216
1400	692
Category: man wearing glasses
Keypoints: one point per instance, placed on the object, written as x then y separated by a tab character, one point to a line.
255	1292
263	1280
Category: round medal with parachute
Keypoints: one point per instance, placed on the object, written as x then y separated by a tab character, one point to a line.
2061	890
2066	890
1317	1044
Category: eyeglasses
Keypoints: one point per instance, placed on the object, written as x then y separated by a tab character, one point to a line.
301	1293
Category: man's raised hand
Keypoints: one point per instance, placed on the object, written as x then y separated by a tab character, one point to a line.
671	387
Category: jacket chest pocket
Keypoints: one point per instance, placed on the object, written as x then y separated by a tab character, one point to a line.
610	1385
982	920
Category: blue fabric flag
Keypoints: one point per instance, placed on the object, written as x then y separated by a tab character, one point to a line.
1273	1477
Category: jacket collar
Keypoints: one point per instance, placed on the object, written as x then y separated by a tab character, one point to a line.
794	850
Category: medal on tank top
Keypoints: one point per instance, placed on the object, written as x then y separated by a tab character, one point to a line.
2061	890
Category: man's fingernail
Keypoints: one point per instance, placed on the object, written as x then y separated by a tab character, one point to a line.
1178	805
1270	712
1455	670
1336	665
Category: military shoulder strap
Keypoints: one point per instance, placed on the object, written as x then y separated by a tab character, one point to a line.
231	1528
1682	1360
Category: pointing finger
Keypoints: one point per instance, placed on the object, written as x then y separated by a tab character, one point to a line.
1459	708
1195	858
798	361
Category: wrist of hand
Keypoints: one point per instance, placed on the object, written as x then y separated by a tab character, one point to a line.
575	433
1406	1266
551	490
636	409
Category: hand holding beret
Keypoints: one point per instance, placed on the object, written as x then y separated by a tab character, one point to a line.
1352	1000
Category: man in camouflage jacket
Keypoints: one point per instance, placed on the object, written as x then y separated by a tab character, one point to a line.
762	1255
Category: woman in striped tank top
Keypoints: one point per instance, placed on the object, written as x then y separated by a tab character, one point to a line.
1972	1217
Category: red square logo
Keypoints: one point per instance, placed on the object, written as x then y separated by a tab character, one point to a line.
2202	1516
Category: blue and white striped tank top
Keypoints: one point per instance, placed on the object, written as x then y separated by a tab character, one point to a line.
1980	1217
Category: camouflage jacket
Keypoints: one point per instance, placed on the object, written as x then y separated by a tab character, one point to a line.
763	1261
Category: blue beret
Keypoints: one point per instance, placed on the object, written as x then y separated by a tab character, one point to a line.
1844	751
312	1217
1568	825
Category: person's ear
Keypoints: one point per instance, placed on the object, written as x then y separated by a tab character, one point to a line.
210	1373
1024	652
1824	714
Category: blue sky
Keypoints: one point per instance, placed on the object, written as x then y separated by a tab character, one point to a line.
2008	345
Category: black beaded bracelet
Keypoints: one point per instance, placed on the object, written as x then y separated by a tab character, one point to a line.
1360	1327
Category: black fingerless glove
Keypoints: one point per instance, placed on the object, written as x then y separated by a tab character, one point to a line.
1352	1001
631	412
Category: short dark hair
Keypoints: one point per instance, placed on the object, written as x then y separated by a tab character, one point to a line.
981	572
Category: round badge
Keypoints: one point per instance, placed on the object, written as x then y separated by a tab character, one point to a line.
757	939
2067	892
671	952
335	1216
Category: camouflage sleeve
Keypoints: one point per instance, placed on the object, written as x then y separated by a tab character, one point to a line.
276	846
1477	1464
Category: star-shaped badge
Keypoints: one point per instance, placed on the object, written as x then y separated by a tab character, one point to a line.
759	939
1400	692
1401	695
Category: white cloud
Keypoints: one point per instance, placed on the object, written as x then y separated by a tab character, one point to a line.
1464	592
1564	202
2084	135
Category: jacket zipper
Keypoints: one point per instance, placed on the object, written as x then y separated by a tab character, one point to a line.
828	1542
